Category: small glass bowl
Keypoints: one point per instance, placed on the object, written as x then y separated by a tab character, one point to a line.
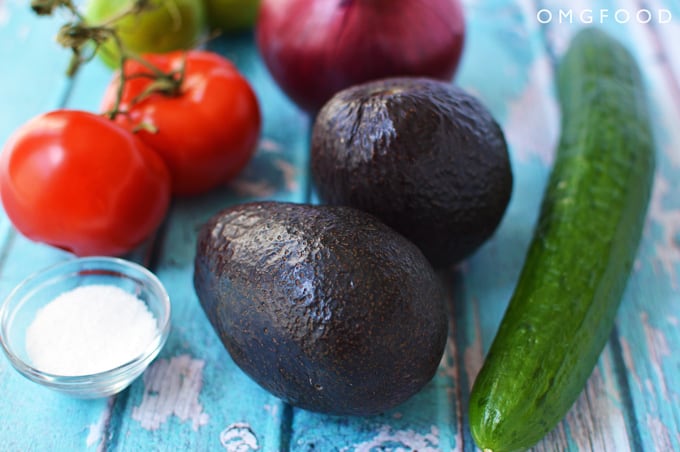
20	307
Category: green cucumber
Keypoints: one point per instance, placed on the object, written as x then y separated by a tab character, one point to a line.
584	245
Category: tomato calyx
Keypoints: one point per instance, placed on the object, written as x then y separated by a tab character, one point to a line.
215	135
167	83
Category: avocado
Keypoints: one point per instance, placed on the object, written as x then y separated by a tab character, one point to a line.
424	156
325	307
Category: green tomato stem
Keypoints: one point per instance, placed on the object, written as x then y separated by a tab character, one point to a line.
78	35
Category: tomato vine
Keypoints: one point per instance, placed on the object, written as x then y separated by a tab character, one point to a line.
85	40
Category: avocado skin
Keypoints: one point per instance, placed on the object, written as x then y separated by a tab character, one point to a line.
325	307
422	155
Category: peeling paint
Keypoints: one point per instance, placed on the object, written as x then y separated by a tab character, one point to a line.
659	434
239	437
555	440
650	388
289	174
97	430
532	127
657	347
272	409
609	377
399	441
172	388
628	362
584	419
607	424
260	188
579	424
667	250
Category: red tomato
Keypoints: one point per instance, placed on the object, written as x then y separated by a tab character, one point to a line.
77	181
208	132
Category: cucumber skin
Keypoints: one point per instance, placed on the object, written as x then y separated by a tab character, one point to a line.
586	239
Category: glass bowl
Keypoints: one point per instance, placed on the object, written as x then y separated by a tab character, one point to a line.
22	304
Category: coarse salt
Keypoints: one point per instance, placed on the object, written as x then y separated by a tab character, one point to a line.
89	329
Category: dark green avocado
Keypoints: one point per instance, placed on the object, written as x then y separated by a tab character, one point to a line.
325	307
422	155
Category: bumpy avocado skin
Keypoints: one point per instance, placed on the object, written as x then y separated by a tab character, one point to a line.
422	155
325	307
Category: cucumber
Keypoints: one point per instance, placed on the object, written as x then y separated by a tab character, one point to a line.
577	266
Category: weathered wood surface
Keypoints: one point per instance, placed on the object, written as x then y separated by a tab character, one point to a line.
194	398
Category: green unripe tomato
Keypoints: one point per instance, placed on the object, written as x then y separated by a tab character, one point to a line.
172	25
231	16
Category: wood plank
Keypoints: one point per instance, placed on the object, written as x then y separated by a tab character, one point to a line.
30	83
277	171
531	123
641	346
647	321
518	86
211	402
598	420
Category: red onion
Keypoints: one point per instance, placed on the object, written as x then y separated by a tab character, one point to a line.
315	48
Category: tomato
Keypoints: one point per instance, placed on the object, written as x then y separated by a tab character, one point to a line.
171	25
231	15
207	133
77	181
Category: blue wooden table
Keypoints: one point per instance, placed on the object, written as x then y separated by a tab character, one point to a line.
194	398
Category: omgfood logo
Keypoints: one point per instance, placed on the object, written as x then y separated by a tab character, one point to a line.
589	16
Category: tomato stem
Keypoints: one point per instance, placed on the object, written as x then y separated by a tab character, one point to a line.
80	37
